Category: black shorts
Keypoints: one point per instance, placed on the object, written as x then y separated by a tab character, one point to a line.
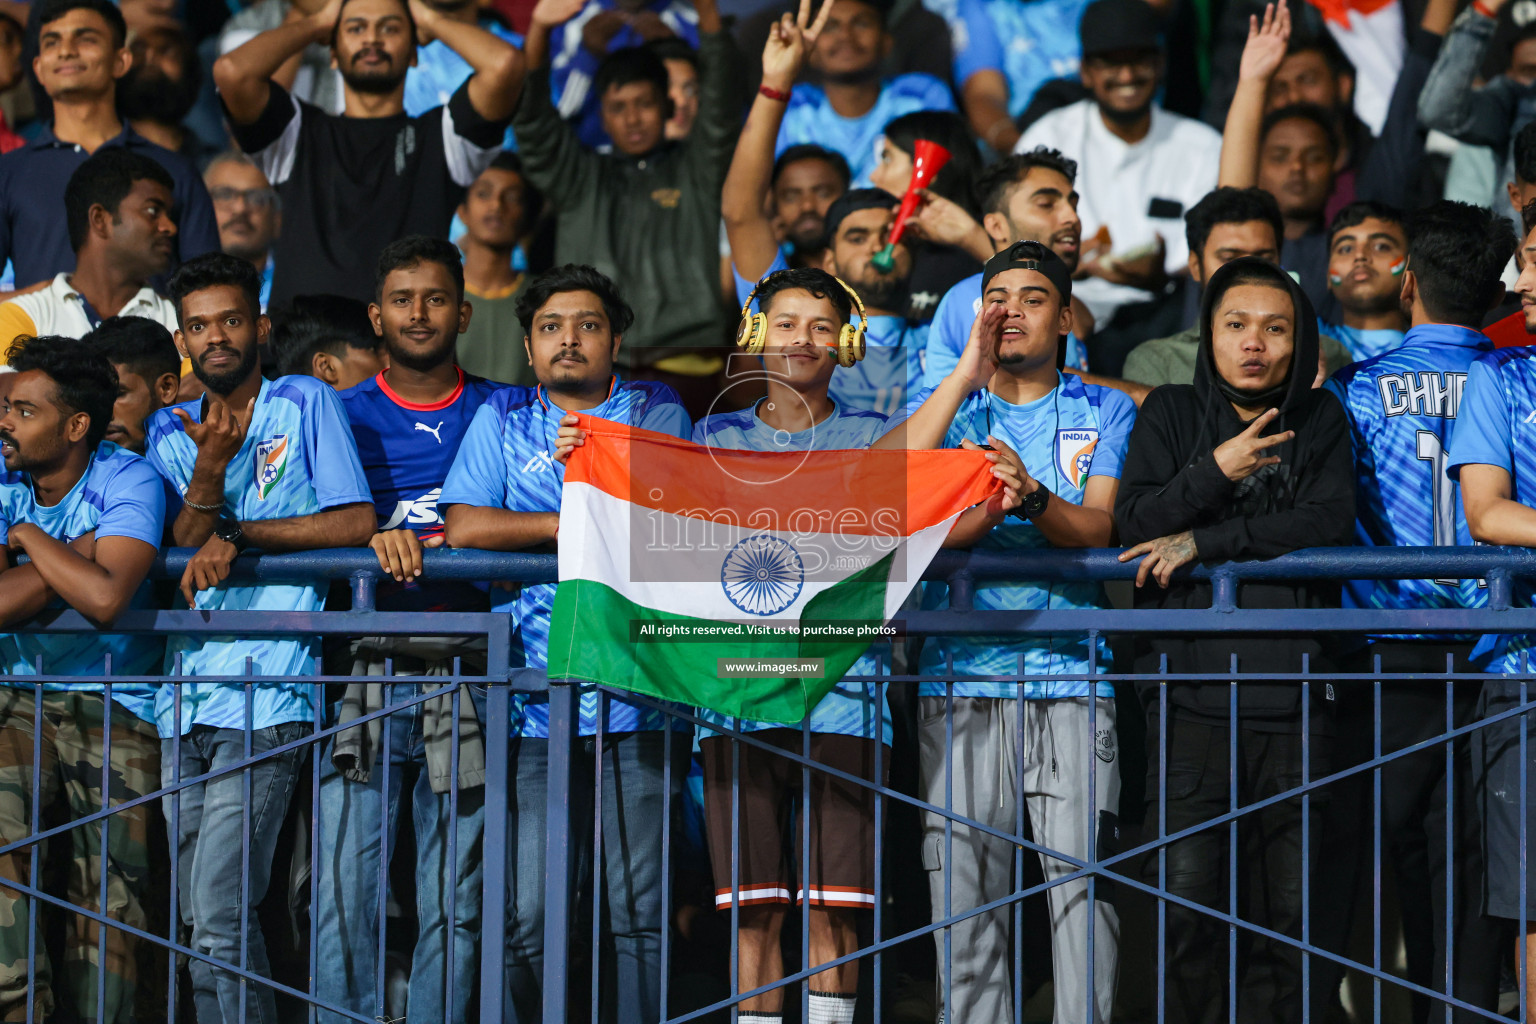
1496	767
842	840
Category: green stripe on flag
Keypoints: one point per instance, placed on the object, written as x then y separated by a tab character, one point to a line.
593	631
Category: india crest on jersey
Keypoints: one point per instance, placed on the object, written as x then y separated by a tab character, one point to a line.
271	461
1074	454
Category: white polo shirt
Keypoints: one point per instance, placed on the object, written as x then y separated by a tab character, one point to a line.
59	309
1139	190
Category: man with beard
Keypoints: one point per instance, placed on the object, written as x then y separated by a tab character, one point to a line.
849	105
148	369
408	422
82	55
161	87
89	516
118	208
1068	439
858	227
250	217
1367	254
353	183
251	463
1139	169
503	494
801	183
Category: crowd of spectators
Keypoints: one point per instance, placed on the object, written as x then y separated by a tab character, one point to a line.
1204	280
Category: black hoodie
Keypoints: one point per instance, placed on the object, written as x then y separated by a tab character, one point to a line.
1171	483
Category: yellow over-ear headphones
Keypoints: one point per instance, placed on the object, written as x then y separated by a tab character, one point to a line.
753	331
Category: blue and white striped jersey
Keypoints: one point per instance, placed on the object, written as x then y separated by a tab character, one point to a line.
1401	408
298	459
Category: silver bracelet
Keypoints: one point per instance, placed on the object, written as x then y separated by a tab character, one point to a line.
203	508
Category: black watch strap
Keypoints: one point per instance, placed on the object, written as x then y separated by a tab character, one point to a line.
229	531
1034	503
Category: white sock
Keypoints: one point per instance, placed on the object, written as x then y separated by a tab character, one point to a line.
759	1018
831	1008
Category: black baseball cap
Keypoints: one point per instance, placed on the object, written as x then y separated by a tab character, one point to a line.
1030	256
1110	26
852	201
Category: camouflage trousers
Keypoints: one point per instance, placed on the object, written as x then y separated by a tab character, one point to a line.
68	743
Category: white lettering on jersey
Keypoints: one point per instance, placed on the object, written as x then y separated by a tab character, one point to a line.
420	511
432	430
540	462
1424	393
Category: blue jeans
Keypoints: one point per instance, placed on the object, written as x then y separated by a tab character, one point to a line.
633	833
353	818
209	837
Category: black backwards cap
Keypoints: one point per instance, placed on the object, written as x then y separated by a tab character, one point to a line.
1030	256
853	201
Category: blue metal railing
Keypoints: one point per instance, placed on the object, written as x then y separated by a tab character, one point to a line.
1499	567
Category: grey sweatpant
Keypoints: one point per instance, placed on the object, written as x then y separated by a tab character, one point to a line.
1062	749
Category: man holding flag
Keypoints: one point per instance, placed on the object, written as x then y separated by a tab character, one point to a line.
805	311
1007	393
503	493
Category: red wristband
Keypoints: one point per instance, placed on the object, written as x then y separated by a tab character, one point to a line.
774	94
1481	8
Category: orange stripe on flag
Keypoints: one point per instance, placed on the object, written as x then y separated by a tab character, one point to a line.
823	492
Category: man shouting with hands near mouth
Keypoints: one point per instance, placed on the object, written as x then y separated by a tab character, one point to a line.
1065	440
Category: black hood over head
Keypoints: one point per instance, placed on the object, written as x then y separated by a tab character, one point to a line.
1209	385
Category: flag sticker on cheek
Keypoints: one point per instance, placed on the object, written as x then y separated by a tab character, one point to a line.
1334	280
1400	266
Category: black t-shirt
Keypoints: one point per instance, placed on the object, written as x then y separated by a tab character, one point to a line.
351	185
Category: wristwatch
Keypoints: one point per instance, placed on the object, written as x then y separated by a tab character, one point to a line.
1034	504
228	530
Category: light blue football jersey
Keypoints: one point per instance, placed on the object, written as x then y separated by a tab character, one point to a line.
506	461
851	709
1029	41
1362	344
298	459
1496	426
811	119
118	495
1075	432
1401	408
892	367
951	329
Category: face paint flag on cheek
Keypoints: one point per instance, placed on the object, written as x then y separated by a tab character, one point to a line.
1400	266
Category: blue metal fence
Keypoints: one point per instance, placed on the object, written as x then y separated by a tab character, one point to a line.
887	931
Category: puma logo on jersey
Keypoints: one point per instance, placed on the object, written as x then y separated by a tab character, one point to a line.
540	462
432	430
420	511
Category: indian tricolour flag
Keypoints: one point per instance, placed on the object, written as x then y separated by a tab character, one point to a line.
677	559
